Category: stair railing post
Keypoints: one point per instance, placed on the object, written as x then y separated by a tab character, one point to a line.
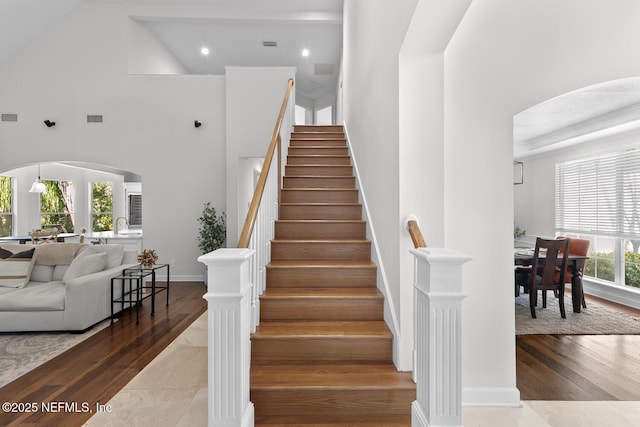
438	300
229	347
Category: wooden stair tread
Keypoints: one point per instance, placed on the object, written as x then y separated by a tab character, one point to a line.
322	353
321	204
319	190
335	329
323	293
334	421
321	221
331	241
322	264
315	156
335	375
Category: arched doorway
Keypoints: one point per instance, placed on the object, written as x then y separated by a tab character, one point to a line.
93	197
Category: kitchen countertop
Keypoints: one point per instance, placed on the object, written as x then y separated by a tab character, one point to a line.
127	234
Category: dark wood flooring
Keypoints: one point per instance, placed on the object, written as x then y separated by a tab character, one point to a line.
97	368
579	367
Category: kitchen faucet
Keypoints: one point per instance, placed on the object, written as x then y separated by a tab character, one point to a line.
125	221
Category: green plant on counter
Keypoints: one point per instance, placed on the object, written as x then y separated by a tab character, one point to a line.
212	233
518	232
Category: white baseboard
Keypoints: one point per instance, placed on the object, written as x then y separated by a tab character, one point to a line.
625	296
495	396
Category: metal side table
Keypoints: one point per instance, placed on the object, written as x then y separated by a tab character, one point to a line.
134	290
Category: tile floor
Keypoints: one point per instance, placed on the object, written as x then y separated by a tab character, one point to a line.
172	391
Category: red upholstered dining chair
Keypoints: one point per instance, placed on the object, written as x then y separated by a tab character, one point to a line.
545	265
577	247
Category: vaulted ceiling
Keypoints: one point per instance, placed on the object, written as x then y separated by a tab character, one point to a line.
234	42
569	119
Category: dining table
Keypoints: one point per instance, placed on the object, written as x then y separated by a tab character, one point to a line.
524	257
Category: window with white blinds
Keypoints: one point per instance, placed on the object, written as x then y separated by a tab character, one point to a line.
600	195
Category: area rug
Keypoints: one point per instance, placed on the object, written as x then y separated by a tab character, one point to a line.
593	320
23	352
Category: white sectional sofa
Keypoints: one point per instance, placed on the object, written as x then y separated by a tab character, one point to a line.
66	286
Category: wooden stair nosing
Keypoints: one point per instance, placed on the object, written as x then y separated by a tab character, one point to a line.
311	141
348	182
318	150
318	170
330	250
328	274
320	211
318	135
322	329
318	160
313	229
319	195
335	304
318	128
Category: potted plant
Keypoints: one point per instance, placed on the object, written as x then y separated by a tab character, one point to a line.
213	229
212	233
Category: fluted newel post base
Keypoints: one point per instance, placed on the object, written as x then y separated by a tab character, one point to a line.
229	324
438	298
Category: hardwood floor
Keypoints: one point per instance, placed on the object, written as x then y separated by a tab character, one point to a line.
549	367
96	369
579	367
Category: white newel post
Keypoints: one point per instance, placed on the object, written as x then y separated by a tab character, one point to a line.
229	354
438	299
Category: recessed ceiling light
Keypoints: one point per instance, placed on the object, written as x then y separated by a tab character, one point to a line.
204	51
305	52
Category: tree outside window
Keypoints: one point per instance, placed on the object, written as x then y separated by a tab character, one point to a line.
6	214
57	205
102	206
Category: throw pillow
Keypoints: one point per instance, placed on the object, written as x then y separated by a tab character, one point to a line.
16	269
85	263
42	273
5	253
114	253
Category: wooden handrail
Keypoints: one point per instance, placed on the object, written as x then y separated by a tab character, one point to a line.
416	234
250	221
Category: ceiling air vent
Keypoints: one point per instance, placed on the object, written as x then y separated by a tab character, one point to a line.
94	118
9	117
323	69
269	44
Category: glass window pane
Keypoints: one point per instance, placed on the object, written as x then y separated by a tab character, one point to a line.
101	206
6	225
601	262
632	263
102	222
57	205
6	205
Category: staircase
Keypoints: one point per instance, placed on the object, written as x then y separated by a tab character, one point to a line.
322	353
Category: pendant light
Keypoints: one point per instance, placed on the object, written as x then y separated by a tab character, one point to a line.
38	186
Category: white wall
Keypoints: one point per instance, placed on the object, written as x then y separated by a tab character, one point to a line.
147	55
254	96
370	108
80	68
506	56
